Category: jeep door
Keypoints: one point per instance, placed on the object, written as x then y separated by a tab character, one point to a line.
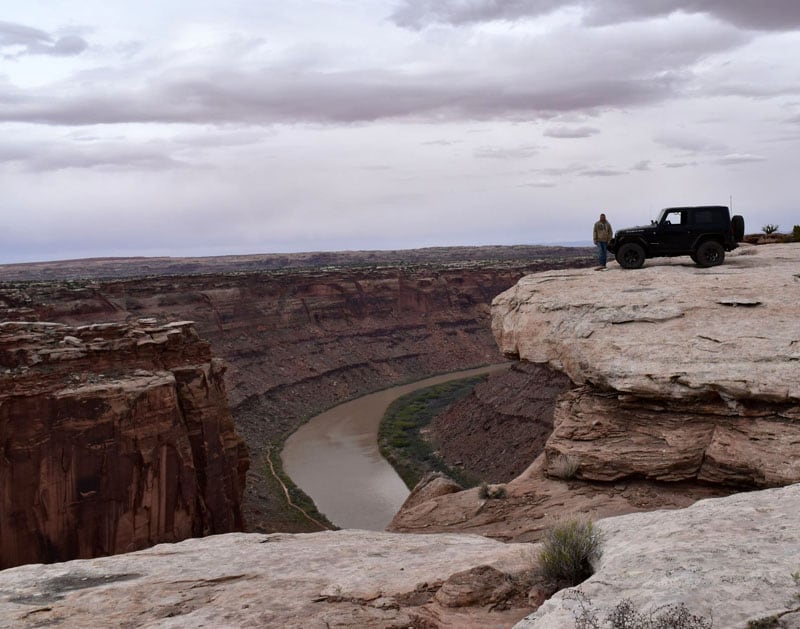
675	233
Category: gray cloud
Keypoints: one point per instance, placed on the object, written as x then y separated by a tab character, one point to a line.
328	98
642	165
417	13
33	41
779	15
571	132
42	157
691	143
680	164
600	70
517	152
740	158
602	172
538	184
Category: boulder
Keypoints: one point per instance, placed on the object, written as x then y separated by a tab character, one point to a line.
729	560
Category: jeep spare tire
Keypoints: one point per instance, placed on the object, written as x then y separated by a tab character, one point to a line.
710	253
737	225
630	256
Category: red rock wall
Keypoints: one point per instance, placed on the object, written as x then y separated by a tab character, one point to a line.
114	438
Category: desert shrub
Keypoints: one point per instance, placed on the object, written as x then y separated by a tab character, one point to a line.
769	228
569	547
564	467
491	492
796	233
625	615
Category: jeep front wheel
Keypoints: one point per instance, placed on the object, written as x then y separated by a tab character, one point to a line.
630	255
710	253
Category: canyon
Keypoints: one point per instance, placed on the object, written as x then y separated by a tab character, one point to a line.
295	339
670	390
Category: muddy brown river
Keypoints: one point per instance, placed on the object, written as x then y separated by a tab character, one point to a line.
334	458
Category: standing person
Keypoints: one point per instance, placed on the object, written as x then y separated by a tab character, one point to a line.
602	235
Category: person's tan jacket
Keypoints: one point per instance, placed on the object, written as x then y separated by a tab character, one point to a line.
602	232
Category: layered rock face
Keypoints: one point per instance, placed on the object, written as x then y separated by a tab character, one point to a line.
114	437
502	425
684	373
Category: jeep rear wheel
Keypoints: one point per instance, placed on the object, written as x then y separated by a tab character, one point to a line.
737	225
630	256
710	253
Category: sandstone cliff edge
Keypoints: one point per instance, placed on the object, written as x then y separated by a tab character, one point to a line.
114	437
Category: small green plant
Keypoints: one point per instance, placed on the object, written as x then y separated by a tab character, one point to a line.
769	228
569	547
564	467
796	233
491	492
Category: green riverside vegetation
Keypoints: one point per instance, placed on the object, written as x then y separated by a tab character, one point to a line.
400	437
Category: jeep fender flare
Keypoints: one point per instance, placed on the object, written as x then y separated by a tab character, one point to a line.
639	241
705	238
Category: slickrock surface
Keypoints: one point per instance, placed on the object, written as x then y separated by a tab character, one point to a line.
307	581
114	437
728	559
669	330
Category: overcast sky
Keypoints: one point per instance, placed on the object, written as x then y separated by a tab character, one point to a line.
247	126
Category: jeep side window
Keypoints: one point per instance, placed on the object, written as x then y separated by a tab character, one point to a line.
674	218
710	216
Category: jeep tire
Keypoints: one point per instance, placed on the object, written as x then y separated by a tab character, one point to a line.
710	253
737	224
630	255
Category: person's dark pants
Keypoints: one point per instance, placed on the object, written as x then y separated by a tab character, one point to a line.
602	252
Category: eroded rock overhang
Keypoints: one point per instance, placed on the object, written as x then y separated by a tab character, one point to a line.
681	372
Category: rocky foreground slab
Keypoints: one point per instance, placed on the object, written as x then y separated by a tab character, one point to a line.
729	560
304	581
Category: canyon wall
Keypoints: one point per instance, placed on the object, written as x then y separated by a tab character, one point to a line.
300	340
114	437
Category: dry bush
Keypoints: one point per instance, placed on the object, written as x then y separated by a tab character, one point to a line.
491	492
625	615
569	547
564	467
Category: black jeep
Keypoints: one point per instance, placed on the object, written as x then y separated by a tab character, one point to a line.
704	232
